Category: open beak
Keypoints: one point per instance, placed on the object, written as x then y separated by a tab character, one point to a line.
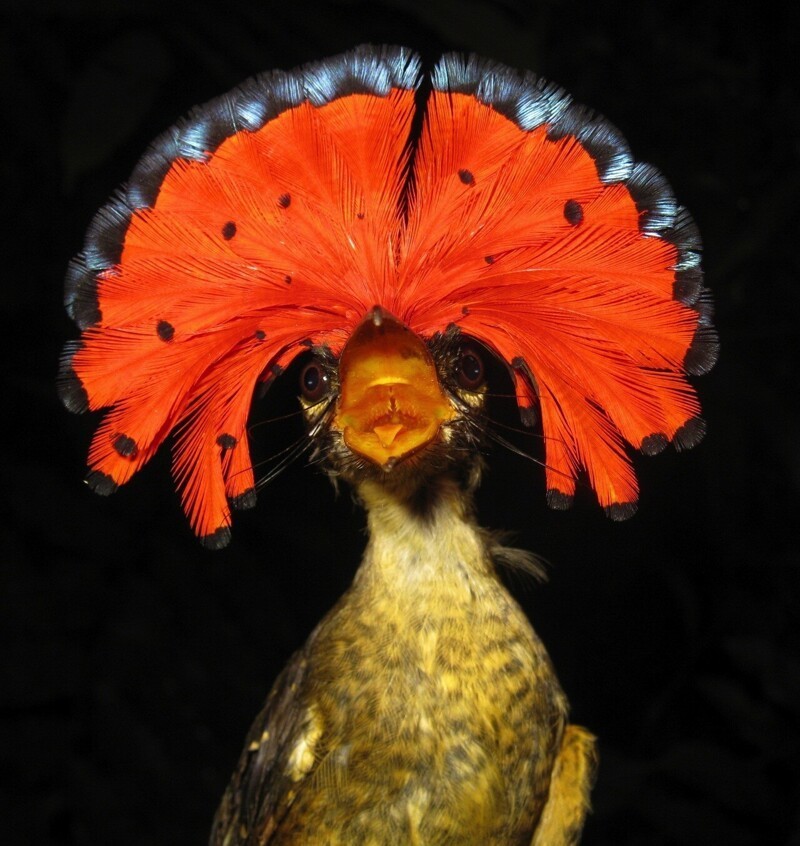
391	403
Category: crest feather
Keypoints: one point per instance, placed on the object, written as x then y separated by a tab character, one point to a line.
281	213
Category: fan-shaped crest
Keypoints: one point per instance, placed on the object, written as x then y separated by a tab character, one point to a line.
278	215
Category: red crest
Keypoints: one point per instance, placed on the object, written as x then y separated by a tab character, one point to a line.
278	215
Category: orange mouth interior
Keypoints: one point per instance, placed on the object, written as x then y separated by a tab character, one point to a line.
391	403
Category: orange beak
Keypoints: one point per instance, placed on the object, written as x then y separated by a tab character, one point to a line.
391	403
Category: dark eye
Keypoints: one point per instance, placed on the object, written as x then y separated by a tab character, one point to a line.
469	369
314	382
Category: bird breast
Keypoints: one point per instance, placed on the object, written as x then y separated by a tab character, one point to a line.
432	713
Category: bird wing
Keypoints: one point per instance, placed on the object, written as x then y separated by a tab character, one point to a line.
271	769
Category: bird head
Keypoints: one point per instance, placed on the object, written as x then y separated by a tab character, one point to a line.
331	208
393	408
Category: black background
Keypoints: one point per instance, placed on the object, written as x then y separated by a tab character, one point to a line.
132	661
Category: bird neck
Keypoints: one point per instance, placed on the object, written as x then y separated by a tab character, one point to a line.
422	540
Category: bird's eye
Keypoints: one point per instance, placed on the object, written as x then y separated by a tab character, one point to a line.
469	369
314	382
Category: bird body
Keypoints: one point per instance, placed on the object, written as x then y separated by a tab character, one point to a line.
423	709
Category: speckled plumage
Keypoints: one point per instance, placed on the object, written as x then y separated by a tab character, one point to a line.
422	710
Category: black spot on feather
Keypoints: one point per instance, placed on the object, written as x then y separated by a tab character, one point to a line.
703	351
620	511
573	212
125	446
690	434
654	444
688	285
226	441
218	539
558	500
101	483
244	500
80	293
69	386
466	176
165	330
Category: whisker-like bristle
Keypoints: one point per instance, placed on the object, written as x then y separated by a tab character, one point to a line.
279	418
284	458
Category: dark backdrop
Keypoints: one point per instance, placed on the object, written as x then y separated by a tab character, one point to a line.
132	660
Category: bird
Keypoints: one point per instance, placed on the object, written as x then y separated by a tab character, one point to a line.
423	709
399	227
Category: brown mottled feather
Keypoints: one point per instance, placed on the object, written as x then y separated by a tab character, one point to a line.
423	709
